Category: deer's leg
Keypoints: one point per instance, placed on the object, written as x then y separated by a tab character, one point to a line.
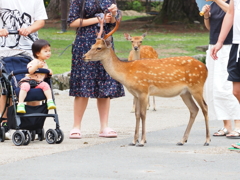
201	102
193	109
133	107
148	103
137	116
143	111
154	105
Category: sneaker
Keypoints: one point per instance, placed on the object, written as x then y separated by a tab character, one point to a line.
51	105
21	108
7	131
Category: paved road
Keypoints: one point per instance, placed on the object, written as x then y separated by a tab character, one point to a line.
111	158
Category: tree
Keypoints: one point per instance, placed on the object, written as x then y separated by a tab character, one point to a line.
54	9
185	11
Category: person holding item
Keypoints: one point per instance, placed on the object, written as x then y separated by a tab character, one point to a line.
41	51
26	17
90	80
221	102
230	20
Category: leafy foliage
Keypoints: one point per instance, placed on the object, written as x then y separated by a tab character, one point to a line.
46	2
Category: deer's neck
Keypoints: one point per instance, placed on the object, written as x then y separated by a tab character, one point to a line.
115	68
136	55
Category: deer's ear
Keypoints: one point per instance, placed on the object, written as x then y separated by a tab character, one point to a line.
127	36
144	34
108	41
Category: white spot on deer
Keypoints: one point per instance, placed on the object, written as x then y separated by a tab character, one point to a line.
200	66
135	77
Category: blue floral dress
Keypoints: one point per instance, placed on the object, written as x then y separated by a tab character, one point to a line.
90	79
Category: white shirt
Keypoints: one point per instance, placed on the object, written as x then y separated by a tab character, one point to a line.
236	22
15	14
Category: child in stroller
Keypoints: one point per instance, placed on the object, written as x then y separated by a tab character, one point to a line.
26	125
41	51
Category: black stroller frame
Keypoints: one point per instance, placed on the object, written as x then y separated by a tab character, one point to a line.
29	124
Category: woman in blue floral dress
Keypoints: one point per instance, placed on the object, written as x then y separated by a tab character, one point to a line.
90	79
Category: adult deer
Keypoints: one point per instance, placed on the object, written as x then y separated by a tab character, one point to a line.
168	77
140	51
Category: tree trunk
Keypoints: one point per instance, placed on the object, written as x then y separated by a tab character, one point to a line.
184	11
54	10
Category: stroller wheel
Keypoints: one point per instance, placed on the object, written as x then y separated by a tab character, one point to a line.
51	136
18	138
33	135
2	134
28	137
60	136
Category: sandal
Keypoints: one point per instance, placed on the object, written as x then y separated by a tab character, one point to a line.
221	132
75	134
108	133
235	134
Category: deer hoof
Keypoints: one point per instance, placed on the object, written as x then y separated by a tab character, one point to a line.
139	145
180	144
206	144
131	144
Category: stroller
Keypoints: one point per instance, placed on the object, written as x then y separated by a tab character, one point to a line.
12	70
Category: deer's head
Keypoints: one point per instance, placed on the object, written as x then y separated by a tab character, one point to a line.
135	40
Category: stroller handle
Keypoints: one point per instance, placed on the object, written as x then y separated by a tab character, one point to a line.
25	71
17	32
13	32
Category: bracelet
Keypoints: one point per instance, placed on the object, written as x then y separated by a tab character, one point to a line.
206	18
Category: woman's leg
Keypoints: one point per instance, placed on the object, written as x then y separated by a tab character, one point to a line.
227	125
103	105
80	104
103	110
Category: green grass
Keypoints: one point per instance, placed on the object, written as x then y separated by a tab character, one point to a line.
166	44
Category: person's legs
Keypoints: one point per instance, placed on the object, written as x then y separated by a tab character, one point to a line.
103	110
25	87
80	104
103	105
228	125
48	93
236	90
236	93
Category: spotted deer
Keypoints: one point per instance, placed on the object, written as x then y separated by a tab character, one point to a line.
167	77
140	51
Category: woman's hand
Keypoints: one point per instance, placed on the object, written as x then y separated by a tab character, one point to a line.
206	9
108	17
113	9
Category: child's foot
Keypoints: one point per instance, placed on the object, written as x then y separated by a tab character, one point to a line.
51	105
21	108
